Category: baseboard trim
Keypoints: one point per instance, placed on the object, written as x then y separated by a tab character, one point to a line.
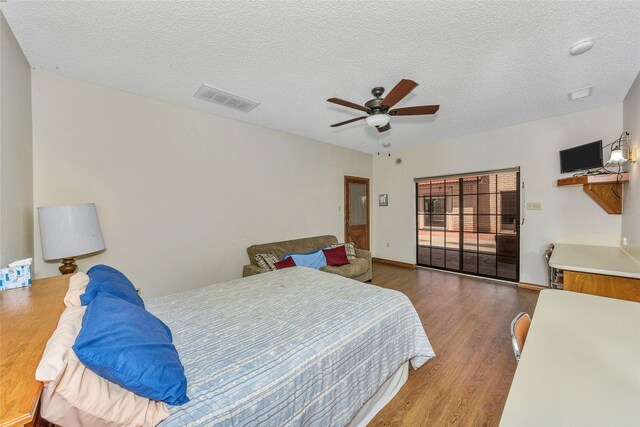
392	262
531	286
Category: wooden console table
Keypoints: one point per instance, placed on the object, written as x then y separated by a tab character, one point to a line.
598	270
28	317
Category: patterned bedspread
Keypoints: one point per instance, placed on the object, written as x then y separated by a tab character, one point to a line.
293	347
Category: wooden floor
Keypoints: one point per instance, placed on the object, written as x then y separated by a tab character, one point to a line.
467	321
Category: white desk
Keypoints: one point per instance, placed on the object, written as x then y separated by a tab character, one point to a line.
605	260
598	270
580	365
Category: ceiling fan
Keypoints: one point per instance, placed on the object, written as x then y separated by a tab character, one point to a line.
378	109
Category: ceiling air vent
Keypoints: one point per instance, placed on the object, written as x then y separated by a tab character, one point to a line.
221	97
581	93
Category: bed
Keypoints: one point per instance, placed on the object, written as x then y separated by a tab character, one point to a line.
293	347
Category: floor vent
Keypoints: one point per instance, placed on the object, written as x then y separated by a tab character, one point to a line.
221	97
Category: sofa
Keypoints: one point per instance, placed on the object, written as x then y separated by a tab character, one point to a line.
358	269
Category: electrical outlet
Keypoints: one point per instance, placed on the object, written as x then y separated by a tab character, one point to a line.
388	245
534	206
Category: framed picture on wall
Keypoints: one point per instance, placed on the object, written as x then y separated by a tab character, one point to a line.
383	199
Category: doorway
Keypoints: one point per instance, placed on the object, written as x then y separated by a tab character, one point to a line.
356	211
470	223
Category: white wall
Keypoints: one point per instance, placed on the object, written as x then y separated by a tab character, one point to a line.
631	198
533	146
180	194
16	174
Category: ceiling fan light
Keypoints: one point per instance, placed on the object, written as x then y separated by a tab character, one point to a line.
378	120
617	156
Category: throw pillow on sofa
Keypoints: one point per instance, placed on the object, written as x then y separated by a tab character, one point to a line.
336	256
349	248
266	261
285	263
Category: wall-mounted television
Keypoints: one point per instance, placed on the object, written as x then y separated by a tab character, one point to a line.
582	157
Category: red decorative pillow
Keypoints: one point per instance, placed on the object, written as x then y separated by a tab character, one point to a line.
336	256
285	263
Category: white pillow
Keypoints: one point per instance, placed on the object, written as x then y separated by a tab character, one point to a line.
73	395
54	358
77	285
83	398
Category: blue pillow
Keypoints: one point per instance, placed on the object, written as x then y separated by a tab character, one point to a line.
315	259
107	280
131	347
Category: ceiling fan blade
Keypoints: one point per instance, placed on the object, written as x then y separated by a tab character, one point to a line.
384	128
348	121
401	90
348	104
415	111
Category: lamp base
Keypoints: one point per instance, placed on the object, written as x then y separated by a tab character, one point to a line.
68	266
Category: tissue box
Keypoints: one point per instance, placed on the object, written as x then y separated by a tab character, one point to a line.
15	276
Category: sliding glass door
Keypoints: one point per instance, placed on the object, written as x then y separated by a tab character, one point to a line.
470	223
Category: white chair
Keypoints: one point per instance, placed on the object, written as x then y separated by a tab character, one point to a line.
519	329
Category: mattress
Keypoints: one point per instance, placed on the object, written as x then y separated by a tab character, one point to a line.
293	347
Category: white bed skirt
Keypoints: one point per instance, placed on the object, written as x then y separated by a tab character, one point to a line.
385	393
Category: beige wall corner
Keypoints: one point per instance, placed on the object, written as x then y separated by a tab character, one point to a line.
180	193
16	156
631	198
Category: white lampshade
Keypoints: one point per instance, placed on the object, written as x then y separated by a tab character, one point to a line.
69	231
377	120
617	156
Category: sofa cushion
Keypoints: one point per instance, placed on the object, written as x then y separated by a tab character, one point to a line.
355	268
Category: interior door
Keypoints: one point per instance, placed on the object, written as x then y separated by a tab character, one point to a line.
356	211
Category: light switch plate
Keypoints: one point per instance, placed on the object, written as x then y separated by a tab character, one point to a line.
534	206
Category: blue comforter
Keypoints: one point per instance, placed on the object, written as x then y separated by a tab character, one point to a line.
293	347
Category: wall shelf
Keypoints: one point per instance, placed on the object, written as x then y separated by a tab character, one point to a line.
605	190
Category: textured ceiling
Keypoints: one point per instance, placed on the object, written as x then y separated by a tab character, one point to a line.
488	63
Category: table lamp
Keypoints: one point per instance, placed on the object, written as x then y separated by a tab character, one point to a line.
69	231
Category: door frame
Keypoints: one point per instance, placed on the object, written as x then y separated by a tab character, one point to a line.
517	228
360	180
